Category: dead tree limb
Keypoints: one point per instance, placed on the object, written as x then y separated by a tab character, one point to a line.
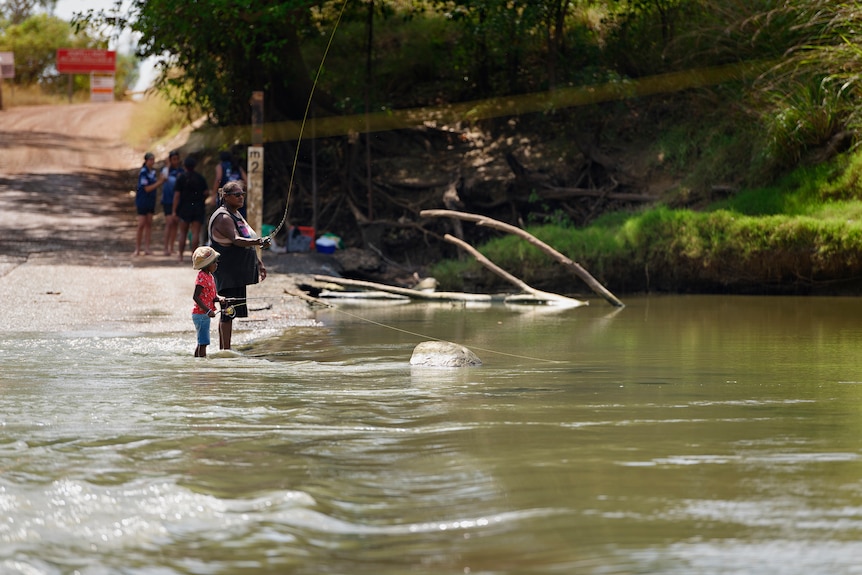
534	297
538	294
416	294
571	265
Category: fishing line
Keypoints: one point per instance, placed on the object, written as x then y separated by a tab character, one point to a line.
280	225
304	120
420	335
230	312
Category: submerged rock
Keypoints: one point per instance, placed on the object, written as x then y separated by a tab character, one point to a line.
443	354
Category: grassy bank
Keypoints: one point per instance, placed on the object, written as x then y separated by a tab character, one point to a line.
801	235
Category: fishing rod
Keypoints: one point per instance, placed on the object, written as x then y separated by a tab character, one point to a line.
272	234
229	310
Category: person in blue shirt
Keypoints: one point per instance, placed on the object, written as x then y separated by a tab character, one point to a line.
170	173
145	202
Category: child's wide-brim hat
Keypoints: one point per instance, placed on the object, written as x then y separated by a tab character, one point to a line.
203	257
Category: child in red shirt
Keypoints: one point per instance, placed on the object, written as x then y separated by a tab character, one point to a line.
204	259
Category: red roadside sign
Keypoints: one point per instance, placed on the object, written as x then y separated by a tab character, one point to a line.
85	60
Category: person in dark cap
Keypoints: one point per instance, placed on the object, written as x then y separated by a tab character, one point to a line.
190	196
145	202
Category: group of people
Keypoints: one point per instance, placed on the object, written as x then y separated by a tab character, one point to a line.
225	267
184	198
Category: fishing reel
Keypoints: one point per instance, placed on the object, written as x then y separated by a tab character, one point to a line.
229	312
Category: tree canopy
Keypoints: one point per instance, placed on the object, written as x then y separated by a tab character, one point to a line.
215	53
33	34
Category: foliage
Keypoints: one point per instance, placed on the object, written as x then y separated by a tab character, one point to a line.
642	34
35	39
790	236
155	119
812	89
35	42
413	63
214	57
16	11
126	75
35	95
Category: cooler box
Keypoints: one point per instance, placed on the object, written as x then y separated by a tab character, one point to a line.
326	245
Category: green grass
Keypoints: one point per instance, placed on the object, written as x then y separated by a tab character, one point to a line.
806	229
155	119
33	95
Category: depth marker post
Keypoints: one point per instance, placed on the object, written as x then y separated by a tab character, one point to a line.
255	164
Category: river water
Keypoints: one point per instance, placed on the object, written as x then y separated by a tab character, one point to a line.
677	435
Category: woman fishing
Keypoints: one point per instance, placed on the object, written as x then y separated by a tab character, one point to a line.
239	264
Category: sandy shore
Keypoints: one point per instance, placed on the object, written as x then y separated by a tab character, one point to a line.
52	296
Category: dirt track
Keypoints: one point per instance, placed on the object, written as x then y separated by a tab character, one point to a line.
63	173
67	235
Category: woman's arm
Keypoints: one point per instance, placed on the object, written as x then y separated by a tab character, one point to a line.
155	184
224	227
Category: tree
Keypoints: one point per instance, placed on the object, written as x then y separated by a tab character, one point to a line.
16	11
35	42
213	54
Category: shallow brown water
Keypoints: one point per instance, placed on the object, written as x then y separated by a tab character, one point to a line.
677	435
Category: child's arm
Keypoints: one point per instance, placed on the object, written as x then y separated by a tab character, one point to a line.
197	297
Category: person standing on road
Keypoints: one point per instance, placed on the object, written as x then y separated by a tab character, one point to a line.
190	196
169	174
145	202
240	265
204	259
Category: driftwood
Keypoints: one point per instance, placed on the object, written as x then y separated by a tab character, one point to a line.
571	265
363	295
416	294
532	298
539	295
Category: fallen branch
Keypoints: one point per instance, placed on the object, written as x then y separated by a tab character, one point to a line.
416	294
571	265
538	294
532	298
